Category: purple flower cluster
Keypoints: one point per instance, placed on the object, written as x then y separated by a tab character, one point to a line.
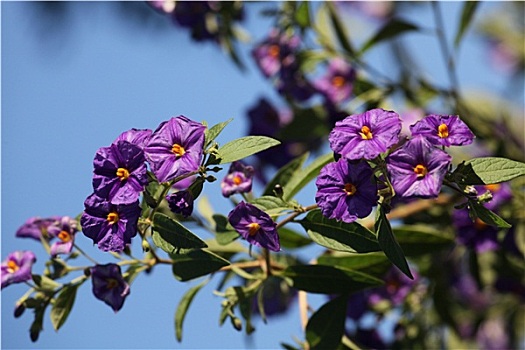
111	213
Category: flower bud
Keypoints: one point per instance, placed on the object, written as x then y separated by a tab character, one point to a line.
19	309
278	191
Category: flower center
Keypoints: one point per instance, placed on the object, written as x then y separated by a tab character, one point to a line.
113	217
274	51
338	81
420	170
350	189
365	133
493	187
253	228
12	266
111	283
443	131
64	236
237	180
178	150
122	173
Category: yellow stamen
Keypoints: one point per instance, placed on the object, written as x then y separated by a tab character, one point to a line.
274	51
253	228
111	283
112	217
122	173
493	187
365	133
178	150
237	180
64	236
443	131
350	189
338	81
12	266
420	170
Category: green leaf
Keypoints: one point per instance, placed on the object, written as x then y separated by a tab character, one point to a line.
488	170
469	8
225	233
487	216
290	239
375	264
339	29
388	243
326	326
169	235
328	279
338	235
196	263
419	239
183	307
45	283
244	147
285	173
214	131
63	305
390	30
303	177
302	15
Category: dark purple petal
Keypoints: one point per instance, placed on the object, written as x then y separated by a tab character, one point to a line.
443	130
36	227
474	234
109	285
255	226
181	202
17	267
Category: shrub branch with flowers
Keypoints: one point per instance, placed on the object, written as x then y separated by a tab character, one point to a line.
382	195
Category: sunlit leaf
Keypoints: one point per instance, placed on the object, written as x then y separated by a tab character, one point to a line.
307	174
285	173
183	307
63	305
488	170
169	235
244	147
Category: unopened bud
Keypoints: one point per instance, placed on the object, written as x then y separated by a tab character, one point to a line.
145	246
211	178
237	323
485	197
471	190
87	272
19	310
278	191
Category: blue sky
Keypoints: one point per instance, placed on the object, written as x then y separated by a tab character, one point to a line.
68	90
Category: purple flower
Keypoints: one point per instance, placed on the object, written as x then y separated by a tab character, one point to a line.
36	227
417	169
476	235
109	285
292	83
277	297
493	334
175	148
337	84
120	172
181	202
443	130
108	225
17	267
64	230
346	191
397	287
193	14
276	51
365	136
238	180
138	137
255	226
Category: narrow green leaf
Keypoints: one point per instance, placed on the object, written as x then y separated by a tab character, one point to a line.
420	239
303	177
388	243
269	202
169	235
390	30
285	173
487	216
338	235
183	307
326	326
225	233
290	239
214	131
489	170
339	29
375	264
328	279
302	15
469	8
244	147
196	263
45	282
63	305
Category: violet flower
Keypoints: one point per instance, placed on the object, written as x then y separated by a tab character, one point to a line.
64	230
475	235
181	202
110	226
36	227
346	191
366	135
175	148
17	267
255	226
337	83
138	137
276	51
109	285
396	289
238	180
418	169
443	130
120	172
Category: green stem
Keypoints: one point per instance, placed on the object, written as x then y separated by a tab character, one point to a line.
84	253
296	214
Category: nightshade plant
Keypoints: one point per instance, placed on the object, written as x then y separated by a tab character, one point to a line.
403	221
